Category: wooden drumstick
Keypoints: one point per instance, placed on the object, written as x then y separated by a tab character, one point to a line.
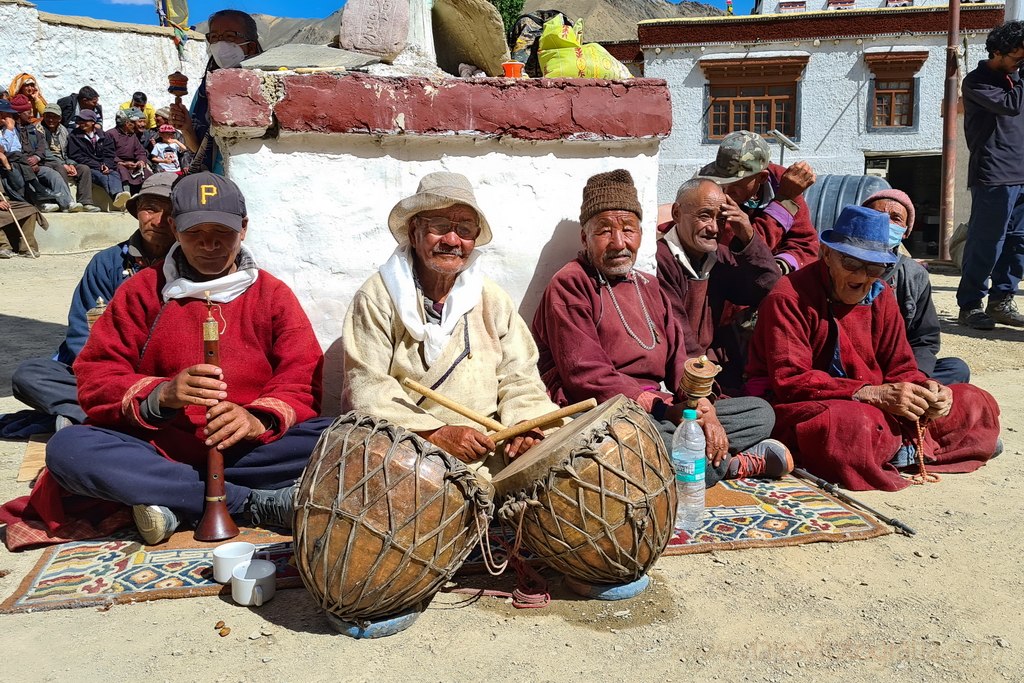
543	420
443	400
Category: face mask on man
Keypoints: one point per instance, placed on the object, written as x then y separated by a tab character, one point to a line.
896	232
225	54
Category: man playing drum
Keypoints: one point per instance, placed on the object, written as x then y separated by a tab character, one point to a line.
604	328
431	315
154	409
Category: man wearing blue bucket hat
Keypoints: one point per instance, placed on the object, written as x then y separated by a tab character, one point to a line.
830	352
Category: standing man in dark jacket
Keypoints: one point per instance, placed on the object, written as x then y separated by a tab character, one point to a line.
994	129
89	145
913	288
48	385
86	98
700	273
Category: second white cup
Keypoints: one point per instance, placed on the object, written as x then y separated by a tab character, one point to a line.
254	582
227	556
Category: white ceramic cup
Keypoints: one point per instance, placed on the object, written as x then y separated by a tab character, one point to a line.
254	582
227	556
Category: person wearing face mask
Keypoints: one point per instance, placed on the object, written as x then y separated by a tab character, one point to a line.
232	37
605	328
913	288
701	272
830	352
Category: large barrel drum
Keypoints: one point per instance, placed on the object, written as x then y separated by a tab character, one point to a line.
382	519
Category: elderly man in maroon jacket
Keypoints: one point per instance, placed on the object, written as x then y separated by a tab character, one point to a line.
830	351
701	273
604	328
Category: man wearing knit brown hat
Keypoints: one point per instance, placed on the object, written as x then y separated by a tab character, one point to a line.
913	290
431	315
605	328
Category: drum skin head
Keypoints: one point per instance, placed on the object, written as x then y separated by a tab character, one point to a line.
383	518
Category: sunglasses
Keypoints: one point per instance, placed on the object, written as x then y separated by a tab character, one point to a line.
853	265
467	230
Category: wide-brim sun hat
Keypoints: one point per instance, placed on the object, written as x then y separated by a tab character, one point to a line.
437	190
861	233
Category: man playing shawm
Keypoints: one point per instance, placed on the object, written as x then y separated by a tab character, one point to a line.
430	314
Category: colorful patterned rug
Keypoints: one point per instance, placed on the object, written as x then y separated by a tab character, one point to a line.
744	513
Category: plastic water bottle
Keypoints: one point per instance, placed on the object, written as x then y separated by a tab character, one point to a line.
688	459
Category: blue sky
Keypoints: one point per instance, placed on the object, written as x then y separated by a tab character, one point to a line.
143	12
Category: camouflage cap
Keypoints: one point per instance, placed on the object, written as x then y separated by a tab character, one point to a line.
740	155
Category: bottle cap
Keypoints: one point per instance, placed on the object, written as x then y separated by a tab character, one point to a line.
689	414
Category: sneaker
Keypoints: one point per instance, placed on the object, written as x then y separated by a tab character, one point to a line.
6	253
770	458
272	508
60	422
76	208
155	523
1004	311
28	254
905	456
975	318
92	208
49	208
120	200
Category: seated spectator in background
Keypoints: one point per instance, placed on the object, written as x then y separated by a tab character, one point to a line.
700	273
150	136
19	180
770	195
56	137
26	84
604	328
155	410
48	385
139	101
37	155
86	98
913	288
165	153
830	352
132	160
10	238
89	145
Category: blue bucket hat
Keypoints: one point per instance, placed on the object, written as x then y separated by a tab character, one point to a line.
861	233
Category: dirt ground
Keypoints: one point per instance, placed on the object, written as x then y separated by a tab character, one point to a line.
946	605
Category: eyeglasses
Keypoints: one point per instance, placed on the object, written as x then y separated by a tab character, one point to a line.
467	230
852	265
230	36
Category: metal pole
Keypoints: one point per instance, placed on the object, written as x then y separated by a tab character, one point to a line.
949	121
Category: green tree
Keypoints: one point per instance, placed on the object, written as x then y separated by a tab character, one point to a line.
509	11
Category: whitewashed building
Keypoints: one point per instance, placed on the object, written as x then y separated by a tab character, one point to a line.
856	84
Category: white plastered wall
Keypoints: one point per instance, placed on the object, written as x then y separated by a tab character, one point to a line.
318	208
66	53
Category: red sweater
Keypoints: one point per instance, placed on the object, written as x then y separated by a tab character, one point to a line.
585	350
271	360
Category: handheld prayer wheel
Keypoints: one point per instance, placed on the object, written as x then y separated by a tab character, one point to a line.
94	313
698	379
177	85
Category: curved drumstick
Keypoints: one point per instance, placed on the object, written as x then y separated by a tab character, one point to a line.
501	432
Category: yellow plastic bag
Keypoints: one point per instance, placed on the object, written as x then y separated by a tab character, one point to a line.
563	55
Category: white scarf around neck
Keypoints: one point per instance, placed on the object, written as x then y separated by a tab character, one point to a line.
222	290
397	273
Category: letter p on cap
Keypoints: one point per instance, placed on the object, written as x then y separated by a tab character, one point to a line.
207	192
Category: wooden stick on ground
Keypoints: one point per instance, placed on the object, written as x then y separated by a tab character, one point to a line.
543	420
21	232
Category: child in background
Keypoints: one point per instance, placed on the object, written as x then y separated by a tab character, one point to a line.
165	152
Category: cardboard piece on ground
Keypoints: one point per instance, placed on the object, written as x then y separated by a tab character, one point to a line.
35	457
469	32
302	56
376	27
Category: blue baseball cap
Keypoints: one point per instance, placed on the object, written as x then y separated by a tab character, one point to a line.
208	198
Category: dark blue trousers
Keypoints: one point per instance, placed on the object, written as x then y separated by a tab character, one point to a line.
109	465
111	182
994	246
951	371
48	386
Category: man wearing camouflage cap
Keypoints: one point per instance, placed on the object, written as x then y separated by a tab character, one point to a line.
770	195
132	158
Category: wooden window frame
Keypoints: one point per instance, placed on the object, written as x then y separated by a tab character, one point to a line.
890	67
891	95
772	72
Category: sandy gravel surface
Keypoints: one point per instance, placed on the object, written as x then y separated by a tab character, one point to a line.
946	605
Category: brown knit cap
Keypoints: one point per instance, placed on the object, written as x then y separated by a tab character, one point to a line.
611	191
